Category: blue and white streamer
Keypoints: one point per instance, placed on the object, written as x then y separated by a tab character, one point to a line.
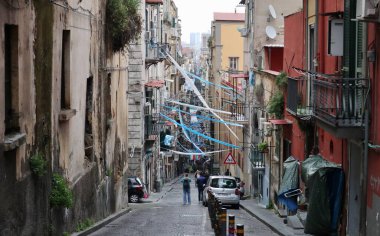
186	135
196	91
200	134
208	82
205	117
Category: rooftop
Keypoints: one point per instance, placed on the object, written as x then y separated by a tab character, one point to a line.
220	16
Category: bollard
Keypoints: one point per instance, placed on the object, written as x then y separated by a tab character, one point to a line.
217	215
223	221
239	230
231	225
212	205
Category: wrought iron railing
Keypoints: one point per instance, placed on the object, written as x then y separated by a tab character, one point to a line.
238	110
257	159
340	101
155	51
151	131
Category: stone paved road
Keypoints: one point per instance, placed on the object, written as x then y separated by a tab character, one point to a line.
169	217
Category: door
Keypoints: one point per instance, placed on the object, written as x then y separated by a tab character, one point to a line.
354	198
264	180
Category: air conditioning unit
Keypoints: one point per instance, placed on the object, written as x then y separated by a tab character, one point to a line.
267	126
261	121
148	109
366	9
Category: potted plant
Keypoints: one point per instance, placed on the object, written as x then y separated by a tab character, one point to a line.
263	147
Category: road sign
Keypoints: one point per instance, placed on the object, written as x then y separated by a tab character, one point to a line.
230	159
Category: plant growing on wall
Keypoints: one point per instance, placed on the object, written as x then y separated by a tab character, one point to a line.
282	80
38	165
123	22
262	147
276	104
87	223
61	195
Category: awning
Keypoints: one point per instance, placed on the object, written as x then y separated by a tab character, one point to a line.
154	1
169	123
155	83
241	75
281	122
274	45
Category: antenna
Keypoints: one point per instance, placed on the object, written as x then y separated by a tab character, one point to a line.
272	11
271	32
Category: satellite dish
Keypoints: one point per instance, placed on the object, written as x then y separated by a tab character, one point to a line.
271	32
272	11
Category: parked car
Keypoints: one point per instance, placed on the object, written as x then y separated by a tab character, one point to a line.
237	180
225	189
136	189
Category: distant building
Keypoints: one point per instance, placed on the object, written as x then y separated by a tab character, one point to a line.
195	40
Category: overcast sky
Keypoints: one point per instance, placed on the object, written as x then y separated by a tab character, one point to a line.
196	15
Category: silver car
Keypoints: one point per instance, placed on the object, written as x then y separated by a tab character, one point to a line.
225	189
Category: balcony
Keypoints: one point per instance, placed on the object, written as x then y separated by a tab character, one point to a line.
257	160
238	110
297	98
340	102
155	53
151	131
174	33
337	103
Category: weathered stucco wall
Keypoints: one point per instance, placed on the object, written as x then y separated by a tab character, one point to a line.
96	172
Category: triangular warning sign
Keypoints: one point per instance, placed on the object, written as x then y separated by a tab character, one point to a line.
229	159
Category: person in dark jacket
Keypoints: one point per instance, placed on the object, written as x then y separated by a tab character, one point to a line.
201	181
186	189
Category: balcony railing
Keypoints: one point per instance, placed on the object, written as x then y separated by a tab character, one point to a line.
340	102
151	129
297	99
238	112
257	159
155	52
237	108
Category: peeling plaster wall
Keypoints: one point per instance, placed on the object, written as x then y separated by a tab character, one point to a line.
24	19
99	183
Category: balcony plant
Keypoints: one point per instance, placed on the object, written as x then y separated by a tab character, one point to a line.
263	147
123	22
282	80
276	105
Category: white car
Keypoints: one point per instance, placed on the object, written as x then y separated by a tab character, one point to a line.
225	189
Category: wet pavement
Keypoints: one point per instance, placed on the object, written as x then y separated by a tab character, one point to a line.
164	214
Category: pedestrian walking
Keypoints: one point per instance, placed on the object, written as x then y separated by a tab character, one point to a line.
186	189
201	181
241	189
227	172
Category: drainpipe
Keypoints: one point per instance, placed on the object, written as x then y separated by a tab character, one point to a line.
364	175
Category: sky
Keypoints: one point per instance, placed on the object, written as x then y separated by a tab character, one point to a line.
196	15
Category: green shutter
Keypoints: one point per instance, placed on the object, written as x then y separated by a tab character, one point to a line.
359	50
349	53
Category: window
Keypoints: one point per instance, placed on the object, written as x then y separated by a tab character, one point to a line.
335	45
65	70
223	183
88	138
234	63
11	78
